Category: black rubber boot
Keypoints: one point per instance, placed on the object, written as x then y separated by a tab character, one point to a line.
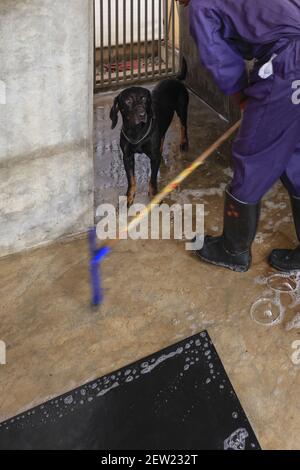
232	250
289	260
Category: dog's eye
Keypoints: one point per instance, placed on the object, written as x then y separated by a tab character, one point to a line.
128	101
144	99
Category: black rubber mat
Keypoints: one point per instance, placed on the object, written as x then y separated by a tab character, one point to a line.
179	398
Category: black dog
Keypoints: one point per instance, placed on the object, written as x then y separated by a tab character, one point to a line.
146	119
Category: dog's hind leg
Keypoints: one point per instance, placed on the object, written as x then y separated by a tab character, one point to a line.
184	141
129	168
182	112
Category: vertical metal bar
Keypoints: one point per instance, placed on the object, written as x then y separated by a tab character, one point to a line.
95	66
124	40
153	39
117	41
101	44
166	35
146	38
131	40
159	37
109	42
173	36
139	37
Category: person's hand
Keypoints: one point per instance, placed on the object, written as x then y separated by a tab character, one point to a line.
243	105
241	99
184	2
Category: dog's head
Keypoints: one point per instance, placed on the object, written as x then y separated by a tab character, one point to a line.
134	104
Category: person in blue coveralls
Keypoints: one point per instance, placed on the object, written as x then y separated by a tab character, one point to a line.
267	148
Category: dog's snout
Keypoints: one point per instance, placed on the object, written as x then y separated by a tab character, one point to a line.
140	110
140	114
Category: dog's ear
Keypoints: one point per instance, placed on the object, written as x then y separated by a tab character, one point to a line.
114	112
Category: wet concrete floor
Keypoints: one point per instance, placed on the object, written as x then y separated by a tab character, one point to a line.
156	293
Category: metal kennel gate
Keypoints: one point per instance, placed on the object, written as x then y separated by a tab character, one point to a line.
135	40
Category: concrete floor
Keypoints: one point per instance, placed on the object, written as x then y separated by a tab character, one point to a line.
155	294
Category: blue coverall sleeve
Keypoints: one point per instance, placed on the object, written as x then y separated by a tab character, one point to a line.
225	63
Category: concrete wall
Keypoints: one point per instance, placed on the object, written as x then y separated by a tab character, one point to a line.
46	154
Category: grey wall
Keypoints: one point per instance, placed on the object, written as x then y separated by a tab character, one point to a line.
199	79
46	95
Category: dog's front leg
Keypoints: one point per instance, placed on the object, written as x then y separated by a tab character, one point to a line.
155	164
129	168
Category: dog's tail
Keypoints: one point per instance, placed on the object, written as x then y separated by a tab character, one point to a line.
183	71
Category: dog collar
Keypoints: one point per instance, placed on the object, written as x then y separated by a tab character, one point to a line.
136	142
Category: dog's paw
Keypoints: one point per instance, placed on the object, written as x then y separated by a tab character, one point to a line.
131	195
152	192
130	200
